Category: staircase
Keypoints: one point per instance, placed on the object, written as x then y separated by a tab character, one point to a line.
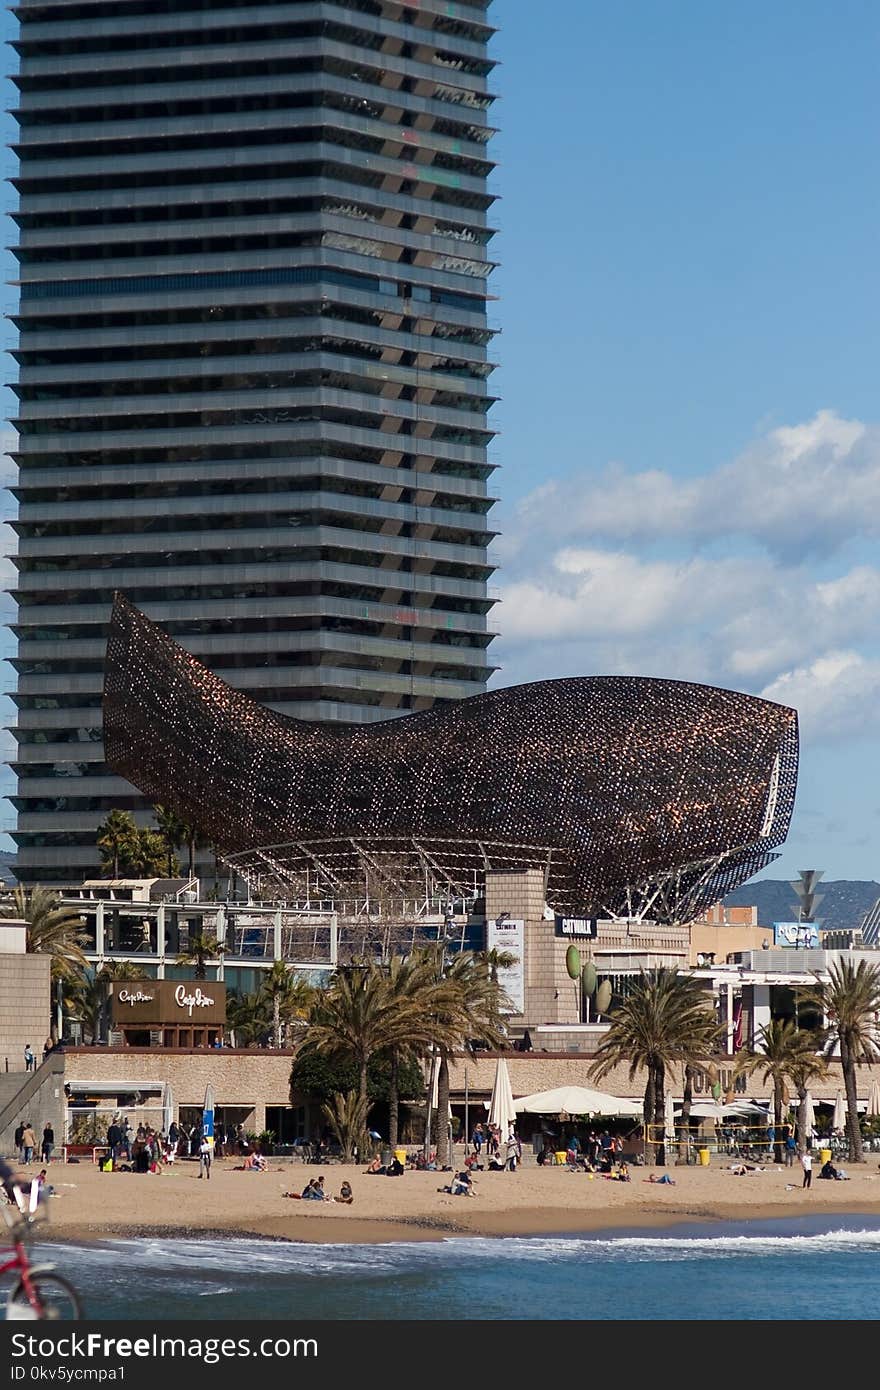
34	1089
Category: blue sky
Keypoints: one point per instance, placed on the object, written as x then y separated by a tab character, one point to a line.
688	294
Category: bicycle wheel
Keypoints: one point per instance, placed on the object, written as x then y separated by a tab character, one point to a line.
58	1299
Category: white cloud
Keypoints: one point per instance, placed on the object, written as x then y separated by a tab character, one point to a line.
802	488
646	573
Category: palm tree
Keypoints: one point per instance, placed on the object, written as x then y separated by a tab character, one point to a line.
467	1005
200	948
146	855
812	1065
411	982
53	929
172	830
190	837
116	837
346	1113
288	996
666	1018
850	1002
359	1017
786	1051
248	1018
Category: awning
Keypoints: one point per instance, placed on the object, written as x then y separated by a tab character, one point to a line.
113	1088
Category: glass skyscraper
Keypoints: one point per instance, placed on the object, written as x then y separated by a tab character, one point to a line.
253	365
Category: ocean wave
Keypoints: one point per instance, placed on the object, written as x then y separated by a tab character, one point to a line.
209	1259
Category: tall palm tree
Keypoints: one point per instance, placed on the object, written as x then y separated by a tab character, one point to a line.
411	982
785	1052
811	1066
110	971
199	949
248	1018
116	837
850	1002
190	838
146	856
287	995
467	1005
666	1018
359	1017
53	929
173	832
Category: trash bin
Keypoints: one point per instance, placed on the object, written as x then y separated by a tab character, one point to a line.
703	1155
400	1155
824	1156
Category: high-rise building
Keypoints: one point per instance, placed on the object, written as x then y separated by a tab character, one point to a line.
253	352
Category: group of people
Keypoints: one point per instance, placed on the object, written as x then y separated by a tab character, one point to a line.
25	1141
314	1192
600	1153
501	1153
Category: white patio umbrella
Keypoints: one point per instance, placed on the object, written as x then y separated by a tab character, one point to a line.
501	1108
576	1100
838	1120
809	1118
874	1098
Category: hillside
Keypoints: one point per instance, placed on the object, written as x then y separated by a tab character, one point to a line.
844	901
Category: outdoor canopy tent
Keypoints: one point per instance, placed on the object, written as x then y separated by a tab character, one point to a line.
576	1100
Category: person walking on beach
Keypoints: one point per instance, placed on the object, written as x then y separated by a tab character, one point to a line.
477	1139
48	1143
28	1142
790	1150
807	1165
205	1156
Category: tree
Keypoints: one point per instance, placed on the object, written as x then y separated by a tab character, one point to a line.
812	1065
248	1018
288	997
199	949
466	1007
665	1018
146	856
321	1078
359	1017
173	832
346	1113
116	838
786	1052
115	970
850	1002
411	982
53	929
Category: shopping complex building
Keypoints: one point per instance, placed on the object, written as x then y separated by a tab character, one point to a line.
254	361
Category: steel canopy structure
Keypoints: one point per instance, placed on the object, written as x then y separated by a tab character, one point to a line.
635	796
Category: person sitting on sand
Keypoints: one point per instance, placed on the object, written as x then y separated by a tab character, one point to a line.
254	1163
395	1168
375	1166
345	1194
666	1179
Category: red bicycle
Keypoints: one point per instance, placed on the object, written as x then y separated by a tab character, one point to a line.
37	1292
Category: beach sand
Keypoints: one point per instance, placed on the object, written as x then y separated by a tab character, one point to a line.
91	1205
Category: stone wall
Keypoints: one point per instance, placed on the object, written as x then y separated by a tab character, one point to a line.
25	1007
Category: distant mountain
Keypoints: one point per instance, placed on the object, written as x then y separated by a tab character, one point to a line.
844	901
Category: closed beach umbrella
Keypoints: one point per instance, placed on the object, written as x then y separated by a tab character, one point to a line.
839	1119
501	1111
668	1121
874	1098
167	1107
208	1115
809	1112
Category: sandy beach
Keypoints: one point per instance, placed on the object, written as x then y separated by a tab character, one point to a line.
91	1205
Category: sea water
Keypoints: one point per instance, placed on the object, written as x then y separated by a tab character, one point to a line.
808	1268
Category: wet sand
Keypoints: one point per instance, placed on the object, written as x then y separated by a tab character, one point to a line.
91	1205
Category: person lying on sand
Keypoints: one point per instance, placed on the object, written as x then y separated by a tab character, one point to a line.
741	1169
666	1179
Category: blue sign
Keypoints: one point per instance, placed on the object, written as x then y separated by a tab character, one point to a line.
802	934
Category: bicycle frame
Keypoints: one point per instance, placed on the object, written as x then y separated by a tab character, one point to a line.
22	1265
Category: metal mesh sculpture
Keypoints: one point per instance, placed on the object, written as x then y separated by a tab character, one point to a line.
635	796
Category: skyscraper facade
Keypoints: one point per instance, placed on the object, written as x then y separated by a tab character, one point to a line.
253	365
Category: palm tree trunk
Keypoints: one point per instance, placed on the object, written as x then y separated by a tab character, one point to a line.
659	1111
191	847
648	1118
276	1021
777	1122
394	1100
801	1121
443	1113
686	1113
854	1133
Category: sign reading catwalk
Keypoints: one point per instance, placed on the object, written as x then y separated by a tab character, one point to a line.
631	796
